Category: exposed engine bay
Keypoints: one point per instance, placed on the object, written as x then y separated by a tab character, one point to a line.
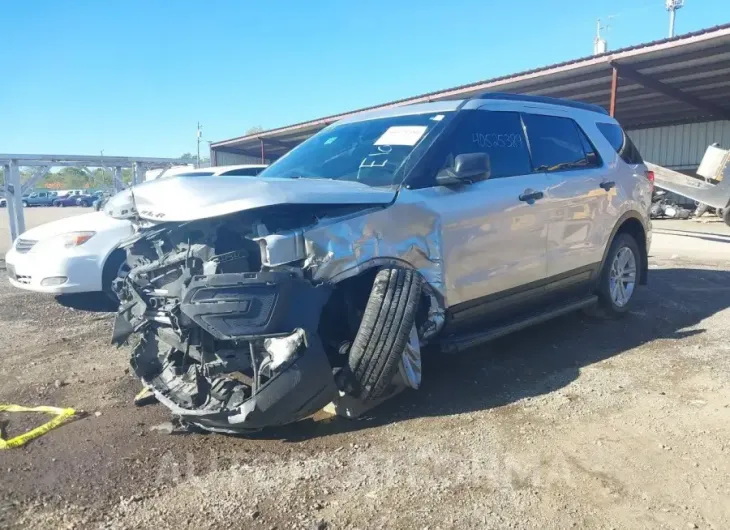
229	325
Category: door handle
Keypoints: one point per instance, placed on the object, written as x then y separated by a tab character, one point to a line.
608	185
530	195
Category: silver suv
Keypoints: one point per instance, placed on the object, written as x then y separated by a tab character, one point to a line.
256	302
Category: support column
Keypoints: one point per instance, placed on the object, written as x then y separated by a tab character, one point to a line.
15	190
614	89
38	174
118	183
10	203
138	173
263	152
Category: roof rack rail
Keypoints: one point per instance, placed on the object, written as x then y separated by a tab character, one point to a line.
542	99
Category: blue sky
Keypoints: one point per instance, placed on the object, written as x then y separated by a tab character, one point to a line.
133	77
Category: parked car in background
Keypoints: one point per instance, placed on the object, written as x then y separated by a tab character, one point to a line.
73	255
245	170
3	202
40	198
73	200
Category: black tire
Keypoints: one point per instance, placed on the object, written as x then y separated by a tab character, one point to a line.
701	209
109	274
720	212
726	216
384	331
83	204
606	306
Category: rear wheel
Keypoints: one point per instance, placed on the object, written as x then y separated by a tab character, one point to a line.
619	277
384	331
25	204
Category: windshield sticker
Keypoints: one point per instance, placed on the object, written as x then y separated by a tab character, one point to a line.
438	117
330	140
402	135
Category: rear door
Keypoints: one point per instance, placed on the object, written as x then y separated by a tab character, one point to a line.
577	197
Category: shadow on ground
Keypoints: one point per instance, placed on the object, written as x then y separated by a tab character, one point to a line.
544	358
92	302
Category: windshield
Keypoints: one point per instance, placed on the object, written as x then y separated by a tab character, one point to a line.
373	152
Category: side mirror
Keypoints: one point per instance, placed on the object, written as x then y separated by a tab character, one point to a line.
468	167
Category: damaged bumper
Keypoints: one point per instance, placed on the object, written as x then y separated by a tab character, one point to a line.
233	352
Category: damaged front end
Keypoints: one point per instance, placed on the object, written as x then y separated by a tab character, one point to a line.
226	339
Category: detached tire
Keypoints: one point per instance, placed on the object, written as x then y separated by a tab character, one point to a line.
384	331
614	300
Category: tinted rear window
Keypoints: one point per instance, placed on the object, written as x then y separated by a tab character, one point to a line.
558	144
620	141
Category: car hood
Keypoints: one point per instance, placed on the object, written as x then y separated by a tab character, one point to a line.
183	199
88	222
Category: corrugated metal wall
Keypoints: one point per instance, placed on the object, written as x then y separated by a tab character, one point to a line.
232	159
680	146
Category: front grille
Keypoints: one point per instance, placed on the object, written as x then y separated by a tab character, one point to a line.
24	245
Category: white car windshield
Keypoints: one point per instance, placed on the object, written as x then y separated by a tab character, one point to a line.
373	152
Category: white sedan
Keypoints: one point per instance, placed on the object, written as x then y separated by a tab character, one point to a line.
73	255
79	254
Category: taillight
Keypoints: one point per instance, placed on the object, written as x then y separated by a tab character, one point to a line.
650	176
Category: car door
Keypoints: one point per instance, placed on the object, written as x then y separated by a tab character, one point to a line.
577	195
493	230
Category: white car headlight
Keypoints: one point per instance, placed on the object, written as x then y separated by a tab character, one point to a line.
61	241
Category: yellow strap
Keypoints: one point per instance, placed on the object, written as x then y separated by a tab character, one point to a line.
61	415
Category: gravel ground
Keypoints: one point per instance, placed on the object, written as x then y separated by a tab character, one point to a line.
575	423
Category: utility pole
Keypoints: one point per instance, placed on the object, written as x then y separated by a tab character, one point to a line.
672	6
200	135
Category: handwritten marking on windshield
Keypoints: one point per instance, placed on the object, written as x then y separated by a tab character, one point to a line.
508	141
383	150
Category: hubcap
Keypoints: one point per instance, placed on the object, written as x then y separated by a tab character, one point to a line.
622	276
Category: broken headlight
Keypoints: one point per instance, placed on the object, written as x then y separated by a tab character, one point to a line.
282	349
121	205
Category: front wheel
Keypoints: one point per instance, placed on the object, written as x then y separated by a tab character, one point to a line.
384	331
619	277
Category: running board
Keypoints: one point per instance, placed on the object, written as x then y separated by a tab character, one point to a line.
464	342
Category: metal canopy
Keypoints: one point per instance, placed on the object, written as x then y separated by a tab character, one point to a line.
41	164
679	80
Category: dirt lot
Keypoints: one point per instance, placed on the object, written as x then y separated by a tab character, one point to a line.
576	423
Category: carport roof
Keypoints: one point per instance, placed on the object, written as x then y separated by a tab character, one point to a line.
677	80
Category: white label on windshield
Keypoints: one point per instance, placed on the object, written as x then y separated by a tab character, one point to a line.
438	117
401	135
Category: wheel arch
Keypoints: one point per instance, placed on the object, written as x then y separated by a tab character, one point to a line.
633	224
357	282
